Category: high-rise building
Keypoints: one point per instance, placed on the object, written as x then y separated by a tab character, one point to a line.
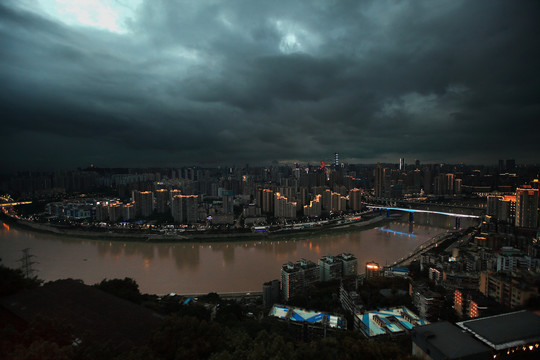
265	199
427	180
502	208
331	268
184	209
457	186
510	259
379	180
289	192
509	289
271	290
372	269
115	211
349	264
507	208
527	207
162	201
136	198
337	267
449	184
102	211
502	168
147	203
336	159
355	199
493	205
327	200
172	193
314	208
284	208
337	202
128	211
297	277
510	165
427	302
401	164
303	198
228	198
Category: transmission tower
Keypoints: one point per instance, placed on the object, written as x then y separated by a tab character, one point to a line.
26	263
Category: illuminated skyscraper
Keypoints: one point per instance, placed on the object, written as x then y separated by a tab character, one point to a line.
355	199
115	211
401	164
314	208
173	193
184	209
147	203
527	207
144	203
336	159
372	269
102	211
162	199
265	200
284	208
128	211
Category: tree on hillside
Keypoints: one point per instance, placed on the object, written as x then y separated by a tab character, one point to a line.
127	289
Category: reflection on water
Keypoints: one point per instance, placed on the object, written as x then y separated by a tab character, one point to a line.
204	267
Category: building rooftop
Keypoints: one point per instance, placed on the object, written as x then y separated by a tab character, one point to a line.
291	267
310	316
389	321
440	339
347	257
505	330
328	259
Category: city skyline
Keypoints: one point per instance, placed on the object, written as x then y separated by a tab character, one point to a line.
167	84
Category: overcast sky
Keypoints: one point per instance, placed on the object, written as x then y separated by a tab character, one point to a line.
170	83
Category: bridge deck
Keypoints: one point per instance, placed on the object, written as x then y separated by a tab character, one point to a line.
424	211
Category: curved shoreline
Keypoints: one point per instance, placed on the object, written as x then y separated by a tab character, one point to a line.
202	237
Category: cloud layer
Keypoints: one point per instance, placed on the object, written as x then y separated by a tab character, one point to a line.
163	83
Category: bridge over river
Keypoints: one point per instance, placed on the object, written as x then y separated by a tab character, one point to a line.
428	245
412	211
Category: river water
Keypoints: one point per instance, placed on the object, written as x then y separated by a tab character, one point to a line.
199	268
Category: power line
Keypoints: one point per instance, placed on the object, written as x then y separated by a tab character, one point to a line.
26	263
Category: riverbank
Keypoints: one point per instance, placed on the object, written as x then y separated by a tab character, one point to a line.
192	237
199	267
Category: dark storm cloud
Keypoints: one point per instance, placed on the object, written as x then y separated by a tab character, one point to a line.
237	81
